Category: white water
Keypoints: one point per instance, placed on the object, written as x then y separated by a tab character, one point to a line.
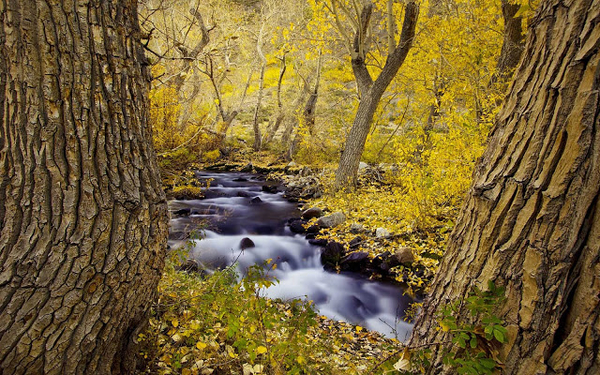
352	298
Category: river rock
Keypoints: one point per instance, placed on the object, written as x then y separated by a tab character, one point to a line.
312	212
240	179
357	261
256	200
356	228
243	194
246	243
382	232
318	242
403	255
271	189
297	226
331	221
332	254
380	261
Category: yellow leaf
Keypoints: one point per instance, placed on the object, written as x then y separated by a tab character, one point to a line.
200	345
175	323
261	349
359	328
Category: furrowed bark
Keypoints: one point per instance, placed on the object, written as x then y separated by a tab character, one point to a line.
83	219
531	220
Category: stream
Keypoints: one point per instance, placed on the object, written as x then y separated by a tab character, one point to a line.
243	205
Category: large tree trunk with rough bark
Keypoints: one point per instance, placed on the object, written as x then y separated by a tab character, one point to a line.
531	220
83	218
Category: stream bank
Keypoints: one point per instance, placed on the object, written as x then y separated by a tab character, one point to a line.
246	220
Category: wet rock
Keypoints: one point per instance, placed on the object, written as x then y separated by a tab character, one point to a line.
297	226
246	243
313	229
271	189
332	220
312	213
318	242
357	261
382	232
182	212
380	263
243	194
332	254
256	200
310	236
240	179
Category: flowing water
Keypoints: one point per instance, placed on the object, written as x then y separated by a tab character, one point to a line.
234	213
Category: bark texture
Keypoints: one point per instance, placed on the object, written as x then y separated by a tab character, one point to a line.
531	220
83	218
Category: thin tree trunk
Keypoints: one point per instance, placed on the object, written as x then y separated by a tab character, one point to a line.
531	220
83	219
255	122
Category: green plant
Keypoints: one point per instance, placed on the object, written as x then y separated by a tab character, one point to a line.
474	340
475	344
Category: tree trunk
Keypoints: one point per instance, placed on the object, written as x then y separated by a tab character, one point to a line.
514	40
531	220
256	122
83	219
371	91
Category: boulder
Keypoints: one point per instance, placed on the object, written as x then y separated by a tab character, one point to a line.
403	255
357	261
318	242
297	226
313	229
332	220
332	254
312	213
246	243
380	261
382	232
240	179
271	189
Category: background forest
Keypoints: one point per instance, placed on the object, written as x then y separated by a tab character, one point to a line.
274	83
245	80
